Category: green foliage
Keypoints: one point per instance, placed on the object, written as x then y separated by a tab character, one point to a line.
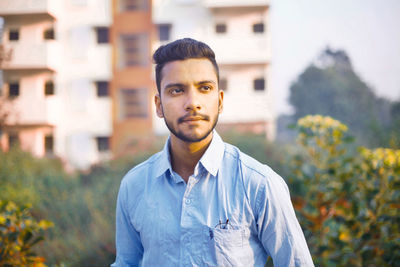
19	232
346	198
18	173
81	205
393	131
330	87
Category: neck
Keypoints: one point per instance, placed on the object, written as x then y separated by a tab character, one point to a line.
185	155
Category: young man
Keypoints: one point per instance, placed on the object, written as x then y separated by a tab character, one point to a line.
200	201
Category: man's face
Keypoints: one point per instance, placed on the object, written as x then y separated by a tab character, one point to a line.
189	99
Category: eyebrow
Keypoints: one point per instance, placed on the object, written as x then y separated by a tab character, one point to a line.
183	85
205	82
173	85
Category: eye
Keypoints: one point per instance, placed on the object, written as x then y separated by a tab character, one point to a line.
206	88
175	91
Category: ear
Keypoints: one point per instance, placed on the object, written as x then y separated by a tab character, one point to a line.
157	102
220	101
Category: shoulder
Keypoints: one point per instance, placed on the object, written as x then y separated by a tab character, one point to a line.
258	179
140	175
143	167
249	165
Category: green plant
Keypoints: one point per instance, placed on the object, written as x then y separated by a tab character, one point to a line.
79	204
346	198
19	233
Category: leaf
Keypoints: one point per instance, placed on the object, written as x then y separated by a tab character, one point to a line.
36	240
27	235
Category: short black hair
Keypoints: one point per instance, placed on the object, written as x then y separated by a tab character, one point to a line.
180	50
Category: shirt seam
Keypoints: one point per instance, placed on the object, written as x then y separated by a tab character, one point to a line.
145	164
248	166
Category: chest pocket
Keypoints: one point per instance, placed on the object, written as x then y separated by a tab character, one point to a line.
227	237
227	247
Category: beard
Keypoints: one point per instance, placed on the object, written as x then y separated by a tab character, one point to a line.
188	138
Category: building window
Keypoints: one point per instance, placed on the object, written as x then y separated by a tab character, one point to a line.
220	28
259	84
258	27
130	5
49	145
13	140
133	50
103	143
102	88
102	35
223	84
49	34
13	89
49	88
133	103
13	35
164	31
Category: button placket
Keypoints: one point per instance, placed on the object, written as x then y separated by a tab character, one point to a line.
190	184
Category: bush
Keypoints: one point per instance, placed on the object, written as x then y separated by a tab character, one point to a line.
346	197
19	232
81	205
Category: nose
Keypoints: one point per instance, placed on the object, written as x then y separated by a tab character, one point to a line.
192	100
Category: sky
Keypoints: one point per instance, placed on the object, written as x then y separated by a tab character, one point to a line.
368	30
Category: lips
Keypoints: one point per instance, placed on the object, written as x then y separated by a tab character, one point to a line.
193	119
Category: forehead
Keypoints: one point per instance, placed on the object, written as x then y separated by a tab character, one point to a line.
188	70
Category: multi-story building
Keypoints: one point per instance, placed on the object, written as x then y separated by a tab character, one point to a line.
57	81
80	82
238	32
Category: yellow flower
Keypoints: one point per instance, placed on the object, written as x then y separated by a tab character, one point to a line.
2	219
344	236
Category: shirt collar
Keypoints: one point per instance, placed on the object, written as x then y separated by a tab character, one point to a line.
164	162
211	160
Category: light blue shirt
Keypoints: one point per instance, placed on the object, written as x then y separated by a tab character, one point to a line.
233	211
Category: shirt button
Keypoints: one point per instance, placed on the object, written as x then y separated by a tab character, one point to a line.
187	201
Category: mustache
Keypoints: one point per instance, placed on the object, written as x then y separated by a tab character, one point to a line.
197	115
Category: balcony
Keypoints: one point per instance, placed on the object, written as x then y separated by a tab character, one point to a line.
241	50
236	3
25	56
24	7
36	112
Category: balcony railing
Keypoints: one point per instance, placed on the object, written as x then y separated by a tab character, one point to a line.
241	50
235	3
20	7
31	56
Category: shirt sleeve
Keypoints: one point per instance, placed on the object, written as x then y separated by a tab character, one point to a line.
128	243
278	228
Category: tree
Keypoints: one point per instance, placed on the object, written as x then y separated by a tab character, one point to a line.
394	129
330	87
